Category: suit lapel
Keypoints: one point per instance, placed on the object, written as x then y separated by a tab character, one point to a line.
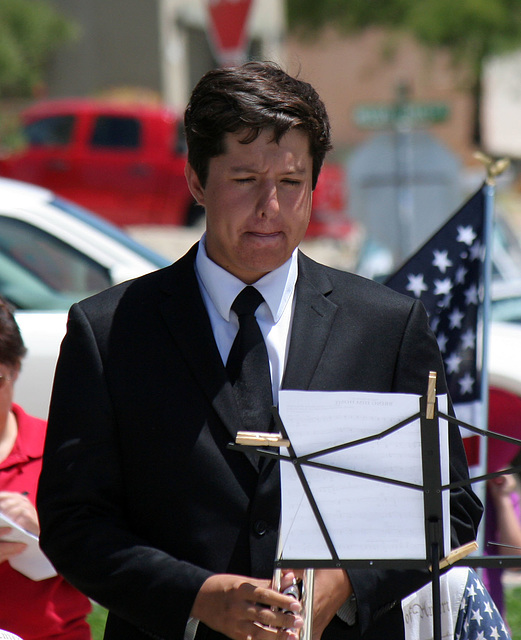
312	323
189	325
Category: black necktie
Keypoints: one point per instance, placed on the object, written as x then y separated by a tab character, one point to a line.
248	365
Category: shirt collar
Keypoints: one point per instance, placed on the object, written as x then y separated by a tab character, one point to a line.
222	287
29	440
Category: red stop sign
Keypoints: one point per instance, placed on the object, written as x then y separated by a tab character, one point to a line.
227	29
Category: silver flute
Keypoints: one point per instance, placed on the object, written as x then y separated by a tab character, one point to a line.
304	592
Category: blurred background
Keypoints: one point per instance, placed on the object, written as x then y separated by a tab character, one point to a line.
413	90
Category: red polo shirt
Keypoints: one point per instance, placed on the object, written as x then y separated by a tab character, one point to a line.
44	609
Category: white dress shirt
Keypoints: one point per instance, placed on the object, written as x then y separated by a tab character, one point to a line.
219	289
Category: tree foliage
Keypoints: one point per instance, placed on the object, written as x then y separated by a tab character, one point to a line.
470	29
30	31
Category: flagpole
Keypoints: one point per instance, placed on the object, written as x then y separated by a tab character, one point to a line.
489	193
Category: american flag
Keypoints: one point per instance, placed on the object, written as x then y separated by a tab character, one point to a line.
446	274
478	617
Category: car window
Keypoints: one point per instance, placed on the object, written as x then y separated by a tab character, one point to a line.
39	271
54	131
109	230
116	132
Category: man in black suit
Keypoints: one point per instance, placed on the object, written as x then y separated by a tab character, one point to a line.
142	505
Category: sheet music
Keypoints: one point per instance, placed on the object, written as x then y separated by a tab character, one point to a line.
31	562
366	519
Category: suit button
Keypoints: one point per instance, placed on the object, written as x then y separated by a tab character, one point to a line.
260	527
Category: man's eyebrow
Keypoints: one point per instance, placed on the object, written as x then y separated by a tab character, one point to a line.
251	169
244	168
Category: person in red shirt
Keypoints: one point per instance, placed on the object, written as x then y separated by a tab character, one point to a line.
32	609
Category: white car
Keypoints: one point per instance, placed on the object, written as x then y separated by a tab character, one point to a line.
505	358
53	253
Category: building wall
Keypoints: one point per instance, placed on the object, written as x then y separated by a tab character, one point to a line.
367	69
157	45
118	46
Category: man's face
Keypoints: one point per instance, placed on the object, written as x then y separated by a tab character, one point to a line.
258	202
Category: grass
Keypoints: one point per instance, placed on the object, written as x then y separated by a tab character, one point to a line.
513	596
97	621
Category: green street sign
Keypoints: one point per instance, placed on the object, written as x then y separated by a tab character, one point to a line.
381	116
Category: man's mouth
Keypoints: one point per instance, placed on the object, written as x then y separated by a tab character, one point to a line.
264	234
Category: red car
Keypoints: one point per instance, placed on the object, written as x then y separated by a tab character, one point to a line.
124	161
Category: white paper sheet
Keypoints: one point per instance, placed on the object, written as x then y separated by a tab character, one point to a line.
366	519
31	562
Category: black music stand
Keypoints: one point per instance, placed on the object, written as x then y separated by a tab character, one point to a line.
432	487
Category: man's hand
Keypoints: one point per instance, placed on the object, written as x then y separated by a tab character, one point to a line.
8	549
20	509
332	589
246	608
502	486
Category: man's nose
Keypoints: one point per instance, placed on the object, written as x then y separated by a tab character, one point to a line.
269	200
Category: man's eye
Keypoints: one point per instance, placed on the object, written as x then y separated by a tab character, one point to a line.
290	181
244	180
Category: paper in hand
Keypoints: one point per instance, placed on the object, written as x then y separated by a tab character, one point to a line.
31	562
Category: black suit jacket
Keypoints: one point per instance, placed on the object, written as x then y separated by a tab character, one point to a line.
140	499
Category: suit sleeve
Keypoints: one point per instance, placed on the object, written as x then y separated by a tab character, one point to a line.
377	592
81	502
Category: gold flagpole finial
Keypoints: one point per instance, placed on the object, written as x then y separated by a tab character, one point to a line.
494	167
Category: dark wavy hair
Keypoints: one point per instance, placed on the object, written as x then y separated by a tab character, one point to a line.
12	348
250	98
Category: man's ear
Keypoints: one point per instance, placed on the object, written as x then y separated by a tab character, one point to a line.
194	184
